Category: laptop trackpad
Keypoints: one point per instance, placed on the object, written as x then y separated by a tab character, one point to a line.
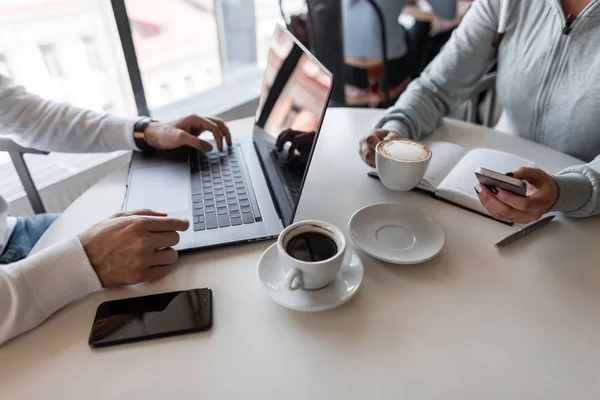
165	188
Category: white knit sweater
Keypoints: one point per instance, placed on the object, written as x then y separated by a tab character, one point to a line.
33	289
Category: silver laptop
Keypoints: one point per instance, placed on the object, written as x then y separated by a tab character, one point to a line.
250	191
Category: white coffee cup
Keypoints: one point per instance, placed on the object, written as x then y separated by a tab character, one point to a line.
311	275
401	163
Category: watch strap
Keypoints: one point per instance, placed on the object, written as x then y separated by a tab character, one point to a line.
139	134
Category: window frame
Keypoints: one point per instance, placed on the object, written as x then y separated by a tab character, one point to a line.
237	49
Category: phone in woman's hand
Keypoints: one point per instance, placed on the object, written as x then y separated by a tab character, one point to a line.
491	178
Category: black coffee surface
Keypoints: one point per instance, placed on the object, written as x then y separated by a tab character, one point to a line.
311	247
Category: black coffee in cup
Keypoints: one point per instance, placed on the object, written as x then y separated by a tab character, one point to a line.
311	247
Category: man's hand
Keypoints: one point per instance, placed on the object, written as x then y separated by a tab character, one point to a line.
133	247
522	210
301	141
185	132
368	143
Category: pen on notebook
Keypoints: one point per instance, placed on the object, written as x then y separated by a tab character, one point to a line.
524	231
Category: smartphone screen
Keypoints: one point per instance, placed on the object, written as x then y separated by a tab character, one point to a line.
150	317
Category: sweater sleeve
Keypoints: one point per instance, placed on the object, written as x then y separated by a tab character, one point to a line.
33	289
47	125
450	78
579	190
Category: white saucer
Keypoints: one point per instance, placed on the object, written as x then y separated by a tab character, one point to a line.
338	292
397	233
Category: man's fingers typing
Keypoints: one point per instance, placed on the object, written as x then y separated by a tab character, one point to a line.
285	136
214	128
224	129
186	139
197	124
297	141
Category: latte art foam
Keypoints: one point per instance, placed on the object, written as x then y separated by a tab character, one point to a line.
404	150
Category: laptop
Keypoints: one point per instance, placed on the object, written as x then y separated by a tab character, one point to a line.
249	191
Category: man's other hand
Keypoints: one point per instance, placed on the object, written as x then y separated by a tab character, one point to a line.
185	132
299	140
132	247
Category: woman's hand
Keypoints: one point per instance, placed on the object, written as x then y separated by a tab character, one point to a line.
506	206
368	143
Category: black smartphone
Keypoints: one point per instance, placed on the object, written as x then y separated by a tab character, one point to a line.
150	317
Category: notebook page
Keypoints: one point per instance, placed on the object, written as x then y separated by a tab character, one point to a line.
458	186
444	156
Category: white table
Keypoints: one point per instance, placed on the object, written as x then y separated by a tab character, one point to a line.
474	323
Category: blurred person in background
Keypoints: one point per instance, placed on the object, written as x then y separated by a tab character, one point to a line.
363	46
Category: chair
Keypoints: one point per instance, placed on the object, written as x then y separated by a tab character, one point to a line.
324	25
16	153
326	43
486	88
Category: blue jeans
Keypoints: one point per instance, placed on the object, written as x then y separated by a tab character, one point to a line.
27	232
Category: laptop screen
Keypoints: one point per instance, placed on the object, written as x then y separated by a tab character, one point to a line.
293	100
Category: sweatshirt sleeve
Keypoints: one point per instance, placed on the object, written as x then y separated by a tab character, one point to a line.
47	125
450	78
33	289
579	190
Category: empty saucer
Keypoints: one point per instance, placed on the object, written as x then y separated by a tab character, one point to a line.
397	233
338	292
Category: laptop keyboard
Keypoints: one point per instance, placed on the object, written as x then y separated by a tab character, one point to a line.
291	176
222	194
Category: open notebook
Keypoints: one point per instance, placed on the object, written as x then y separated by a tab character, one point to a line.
451	172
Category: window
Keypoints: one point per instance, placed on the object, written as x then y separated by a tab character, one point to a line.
74	40
70	50
4	68
92	52
268	14
176	42
50	60
145	29
191	46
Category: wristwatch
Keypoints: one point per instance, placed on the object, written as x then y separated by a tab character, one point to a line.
139	134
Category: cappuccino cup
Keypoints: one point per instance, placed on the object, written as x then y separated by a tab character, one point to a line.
311	254
401	163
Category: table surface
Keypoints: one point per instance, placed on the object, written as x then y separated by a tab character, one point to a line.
474	323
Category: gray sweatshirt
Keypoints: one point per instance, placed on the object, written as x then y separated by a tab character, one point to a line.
548	83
